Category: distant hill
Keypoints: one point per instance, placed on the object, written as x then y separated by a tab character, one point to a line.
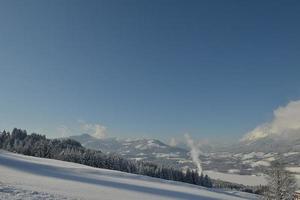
138	149
250	157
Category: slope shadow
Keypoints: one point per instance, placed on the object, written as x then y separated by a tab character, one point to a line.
63	173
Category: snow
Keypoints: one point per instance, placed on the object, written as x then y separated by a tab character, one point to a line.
248	161
165	155
296	171
260	163
13	193
233	171
24	177
184	161
297	176
293	169
162	155
140	146
253	155
152	143
270	155
149	145
290	153
138	159
250	180
270	159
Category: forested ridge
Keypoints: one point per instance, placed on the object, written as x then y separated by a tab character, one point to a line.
70	150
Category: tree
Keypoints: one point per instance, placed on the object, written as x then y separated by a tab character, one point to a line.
207	182
70	150
281	183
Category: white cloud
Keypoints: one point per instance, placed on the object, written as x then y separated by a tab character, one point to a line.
285	122
96	130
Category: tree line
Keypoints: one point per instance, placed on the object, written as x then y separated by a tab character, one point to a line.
72	151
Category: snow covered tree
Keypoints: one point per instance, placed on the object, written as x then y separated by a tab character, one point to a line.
70	150
281	183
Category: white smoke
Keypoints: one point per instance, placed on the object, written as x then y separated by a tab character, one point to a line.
195	152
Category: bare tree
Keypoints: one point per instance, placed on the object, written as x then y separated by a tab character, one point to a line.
281	183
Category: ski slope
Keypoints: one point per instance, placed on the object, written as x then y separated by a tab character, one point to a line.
25	177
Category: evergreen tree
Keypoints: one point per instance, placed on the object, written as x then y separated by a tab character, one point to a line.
281	183
207	181
72	151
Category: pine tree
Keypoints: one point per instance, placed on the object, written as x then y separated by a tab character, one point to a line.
70	150
207	182
281	183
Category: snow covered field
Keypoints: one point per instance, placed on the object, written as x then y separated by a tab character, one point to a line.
24	177
236	178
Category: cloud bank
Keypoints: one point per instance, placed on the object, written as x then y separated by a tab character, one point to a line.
285	123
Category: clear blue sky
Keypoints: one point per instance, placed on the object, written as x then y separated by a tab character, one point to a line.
147	68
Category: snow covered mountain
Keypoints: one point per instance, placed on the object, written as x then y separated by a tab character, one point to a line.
253	155
244	158
267	144
25	177
138	149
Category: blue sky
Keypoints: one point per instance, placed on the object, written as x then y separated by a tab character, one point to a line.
215	69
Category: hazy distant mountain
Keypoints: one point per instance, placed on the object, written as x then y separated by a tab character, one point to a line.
244	157
253	154
270	143
138	149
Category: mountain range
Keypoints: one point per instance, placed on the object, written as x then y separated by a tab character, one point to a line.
138	149
248	157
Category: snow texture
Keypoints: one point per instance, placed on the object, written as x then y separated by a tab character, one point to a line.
250	180
25	177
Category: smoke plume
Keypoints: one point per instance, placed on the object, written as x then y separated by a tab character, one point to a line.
195	152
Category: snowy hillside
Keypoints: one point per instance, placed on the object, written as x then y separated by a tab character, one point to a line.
144	149
24	177
151	150
229	161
